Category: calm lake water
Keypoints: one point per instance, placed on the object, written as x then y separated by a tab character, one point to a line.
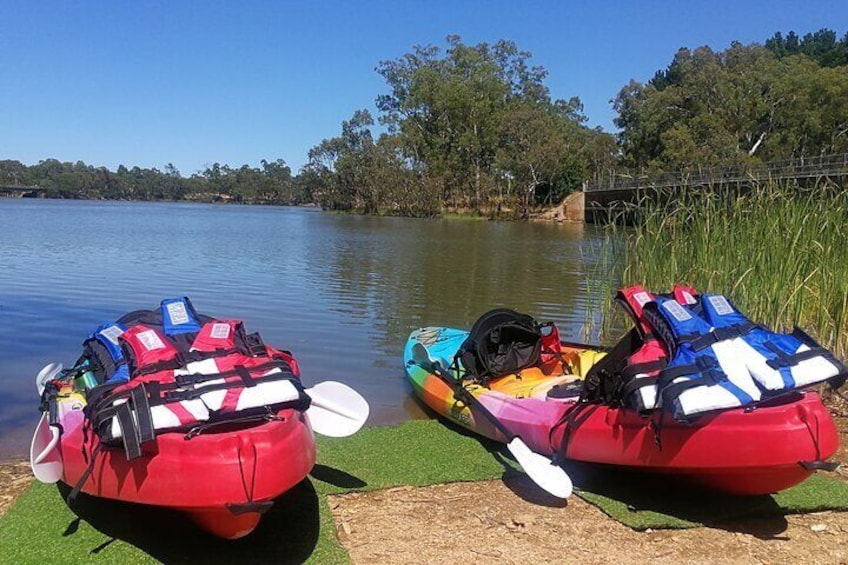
341	292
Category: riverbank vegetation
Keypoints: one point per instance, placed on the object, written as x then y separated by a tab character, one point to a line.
776	249
474	129
271	184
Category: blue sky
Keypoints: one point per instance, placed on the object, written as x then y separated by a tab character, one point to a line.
197	82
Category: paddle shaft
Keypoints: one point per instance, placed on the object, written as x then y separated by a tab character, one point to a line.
463	394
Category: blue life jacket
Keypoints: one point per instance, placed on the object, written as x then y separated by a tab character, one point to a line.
702	376
777	362
179	316
104	345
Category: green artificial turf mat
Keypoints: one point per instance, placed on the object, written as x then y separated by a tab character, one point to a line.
648	501
41	528
417	453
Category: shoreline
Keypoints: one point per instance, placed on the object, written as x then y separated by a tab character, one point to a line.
463	488
15	478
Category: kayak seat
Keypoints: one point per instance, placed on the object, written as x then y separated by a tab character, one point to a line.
557	388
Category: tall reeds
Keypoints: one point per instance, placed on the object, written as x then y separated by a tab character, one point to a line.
779	251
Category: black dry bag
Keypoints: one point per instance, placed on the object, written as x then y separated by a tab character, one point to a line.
501	342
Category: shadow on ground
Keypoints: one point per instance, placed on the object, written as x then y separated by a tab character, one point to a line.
641	500
650	501
287	533
336	477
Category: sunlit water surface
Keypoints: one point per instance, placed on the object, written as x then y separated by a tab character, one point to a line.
341	292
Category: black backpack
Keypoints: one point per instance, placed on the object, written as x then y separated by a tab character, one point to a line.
501	342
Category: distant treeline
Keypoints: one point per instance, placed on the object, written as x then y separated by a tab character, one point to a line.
272	184
474	129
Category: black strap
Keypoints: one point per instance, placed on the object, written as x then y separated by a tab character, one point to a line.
784	359
142	412
244	375
84	477
572	420
635	384
630	371
267	416
703	365
129	432
197	378
706	366
190	394
721	334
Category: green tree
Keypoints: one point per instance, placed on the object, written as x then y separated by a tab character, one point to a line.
821	46
447	110
732	107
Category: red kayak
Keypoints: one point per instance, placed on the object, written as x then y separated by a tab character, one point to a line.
759	449
224	480
207	419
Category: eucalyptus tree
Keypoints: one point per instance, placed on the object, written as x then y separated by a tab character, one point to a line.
541	149
740	105
338	168
278	185
448	109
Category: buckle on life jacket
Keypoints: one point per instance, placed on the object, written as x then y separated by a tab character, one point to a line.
255	345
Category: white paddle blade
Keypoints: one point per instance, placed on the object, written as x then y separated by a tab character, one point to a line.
47	374
544	473
420	354
421	357
336	410
45	458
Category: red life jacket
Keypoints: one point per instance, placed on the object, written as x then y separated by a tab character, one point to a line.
643	368
214	375
628	374
643	365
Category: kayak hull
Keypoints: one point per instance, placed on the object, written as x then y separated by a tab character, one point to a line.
754	451
223	479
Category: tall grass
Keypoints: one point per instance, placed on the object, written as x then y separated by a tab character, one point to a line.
779	251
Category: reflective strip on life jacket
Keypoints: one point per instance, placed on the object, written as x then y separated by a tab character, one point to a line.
251	388
776	361
697	381
148	347
168	416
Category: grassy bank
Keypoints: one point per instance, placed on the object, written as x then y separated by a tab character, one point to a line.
42	528
777	250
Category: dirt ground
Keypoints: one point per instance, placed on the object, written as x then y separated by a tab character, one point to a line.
492	523
496	522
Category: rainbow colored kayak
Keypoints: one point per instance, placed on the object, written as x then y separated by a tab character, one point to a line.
749	451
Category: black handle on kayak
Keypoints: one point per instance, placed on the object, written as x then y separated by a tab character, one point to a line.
819	465
53	410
